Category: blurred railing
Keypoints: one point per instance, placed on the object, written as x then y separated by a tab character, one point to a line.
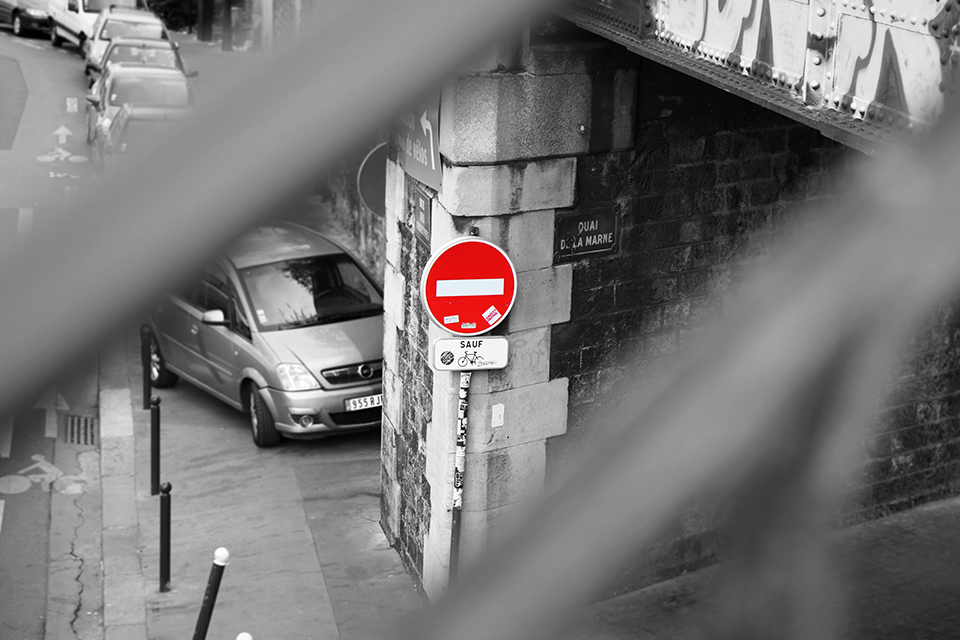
766	411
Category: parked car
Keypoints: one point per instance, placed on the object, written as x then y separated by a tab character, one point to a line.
139	51
132	130
72	20
286	326
137	85
25	16
119	22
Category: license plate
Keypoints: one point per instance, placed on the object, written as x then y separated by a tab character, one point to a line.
366	402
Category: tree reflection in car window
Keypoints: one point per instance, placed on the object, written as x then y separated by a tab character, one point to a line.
310	291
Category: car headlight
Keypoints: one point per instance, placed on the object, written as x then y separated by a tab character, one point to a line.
296	377
35	13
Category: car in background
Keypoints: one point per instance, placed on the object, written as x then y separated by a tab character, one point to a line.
286	326
131	131
137	85
25	16
140	51
120	22
72	20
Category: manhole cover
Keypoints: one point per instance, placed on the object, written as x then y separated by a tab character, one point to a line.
81	430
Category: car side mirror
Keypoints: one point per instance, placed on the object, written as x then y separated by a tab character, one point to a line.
193	74
93	100
213	317
72	6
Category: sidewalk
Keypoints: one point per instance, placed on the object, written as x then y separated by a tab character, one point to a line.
287	577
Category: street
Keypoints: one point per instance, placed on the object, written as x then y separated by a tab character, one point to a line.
43	161
56	537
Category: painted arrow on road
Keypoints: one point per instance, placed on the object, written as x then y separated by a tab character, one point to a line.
62	133
52	402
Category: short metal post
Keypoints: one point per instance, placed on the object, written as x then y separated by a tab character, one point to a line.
145	364
205	20
220	558
226	31
165	537
154	445
459	469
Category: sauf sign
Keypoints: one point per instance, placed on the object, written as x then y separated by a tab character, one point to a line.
468	288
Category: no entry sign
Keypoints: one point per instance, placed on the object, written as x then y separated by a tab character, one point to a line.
469	286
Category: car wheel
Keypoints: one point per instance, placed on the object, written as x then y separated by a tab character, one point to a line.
160	376
17	25
55	38
264	429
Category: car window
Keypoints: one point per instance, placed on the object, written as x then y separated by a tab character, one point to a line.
310	291
131	54
122	29
214	291
154	91
95	6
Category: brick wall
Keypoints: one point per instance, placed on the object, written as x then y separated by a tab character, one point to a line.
704	196
408	385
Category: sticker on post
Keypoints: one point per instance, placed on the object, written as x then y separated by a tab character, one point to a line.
451	319
491	315
468	325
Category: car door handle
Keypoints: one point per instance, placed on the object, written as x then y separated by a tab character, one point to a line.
194	329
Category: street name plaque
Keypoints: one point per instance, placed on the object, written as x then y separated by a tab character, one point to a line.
580	234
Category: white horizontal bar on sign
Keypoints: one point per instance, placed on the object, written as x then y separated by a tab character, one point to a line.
475	287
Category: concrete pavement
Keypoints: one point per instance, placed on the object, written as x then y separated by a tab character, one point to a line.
311	572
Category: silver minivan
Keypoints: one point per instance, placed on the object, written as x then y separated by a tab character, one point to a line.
286	326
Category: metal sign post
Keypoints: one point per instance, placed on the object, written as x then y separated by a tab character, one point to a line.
468	288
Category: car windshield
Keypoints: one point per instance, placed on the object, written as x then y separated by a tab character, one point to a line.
96	6
138	133
134	54
310	291
122	29
149	90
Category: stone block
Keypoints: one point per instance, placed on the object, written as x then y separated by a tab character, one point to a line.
481	529
529	363
517	416
579	58
394	285
442	227
503	476
527	237
507	52
543	298
506	117
392	395
493	190
394	195
436	567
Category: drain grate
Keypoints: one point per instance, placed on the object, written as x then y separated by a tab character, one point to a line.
81	430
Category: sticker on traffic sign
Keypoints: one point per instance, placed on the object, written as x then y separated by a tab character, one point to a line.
469	286
469	354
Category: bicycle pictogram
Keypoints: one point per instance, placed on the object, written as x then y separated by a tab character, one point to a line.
46	475
471	358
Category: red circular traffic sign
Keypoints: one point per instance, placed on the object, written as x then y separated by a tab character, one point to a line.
469	286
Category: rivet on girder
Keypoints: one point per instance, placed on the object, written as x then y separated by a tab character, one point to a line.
913	19
821	12
818	36
817	60
815	85
873	10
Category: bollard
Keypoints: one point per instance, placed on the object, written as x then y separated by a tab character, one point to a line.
165	537
145	364
220	558
154	445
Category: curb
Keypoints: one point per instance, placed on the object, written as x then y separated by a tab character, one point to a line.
124	597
